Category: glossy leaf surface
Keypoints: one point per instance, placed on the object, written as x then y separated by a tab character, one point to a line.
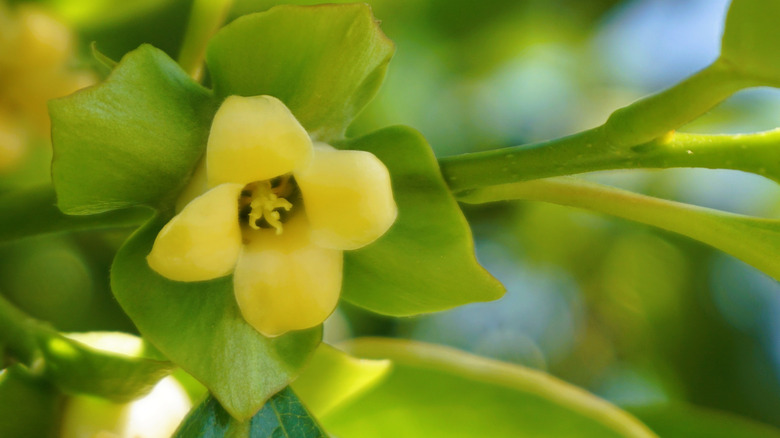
282	416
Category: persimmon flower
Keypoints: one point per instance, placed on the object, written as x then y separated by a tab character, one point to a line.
277	210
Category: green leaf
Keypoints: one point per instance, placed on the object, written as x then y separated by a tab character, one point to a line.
76	367
199	327
285	416
325	62
30	407
134	139
210	420
81	364
751	38
754	240
333	377
33	212
435	392
681	421
425	262
282	416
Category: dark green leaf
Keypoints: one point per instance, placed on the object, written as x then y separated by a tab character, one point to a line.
134	139
283	416
433	392
681	421
199	327
210	420
426	262
34	212
30	407
325	62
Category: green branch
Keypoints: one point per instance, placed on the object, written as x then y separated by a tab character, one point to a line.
755	153
655	115
755	241
638	135
206	18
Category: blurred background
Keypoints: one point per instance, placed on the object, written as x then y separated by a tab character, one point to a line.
633	314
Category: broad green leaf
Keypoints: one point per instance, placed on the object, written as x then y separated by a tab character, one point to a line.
434	391
751	38
680	421
199	327
425	262
132	140
30	406
33	212
324	62
282	416
755	241
333	377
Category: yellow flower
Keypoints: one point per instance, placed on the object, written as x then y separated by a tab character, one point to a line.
277	210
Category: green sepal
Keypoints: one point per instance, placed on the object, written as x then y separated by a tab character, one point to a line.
437	392
282	416
324	62
199	327
751	38
133	139
425	262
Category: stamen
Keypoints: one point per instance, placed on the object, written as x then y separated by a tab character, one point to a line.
264	206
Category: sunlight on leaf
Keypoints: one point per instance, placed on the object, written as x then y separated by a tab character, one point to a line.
435	391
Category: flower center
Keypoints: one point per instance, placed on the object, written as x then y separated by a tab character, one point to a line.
264	204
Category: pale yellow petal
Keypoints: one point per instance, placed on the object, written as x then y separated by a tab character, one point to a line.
203	241
348	197
253	139
285	282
